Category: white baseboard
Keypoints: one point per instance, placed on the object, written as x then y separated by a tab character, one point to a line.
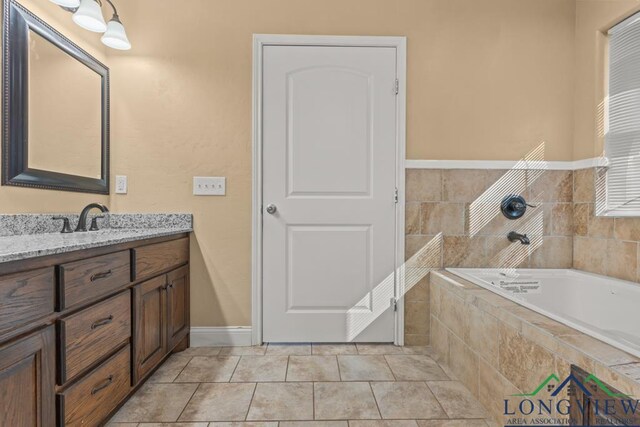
217	336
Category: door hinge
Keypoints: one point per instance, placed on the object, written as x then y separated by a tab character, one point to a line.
397	87
394	304
395	197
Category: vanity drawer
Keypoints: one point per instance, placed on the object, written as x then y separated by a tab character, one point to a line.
89	401
151	259
92	333
90	278
25	297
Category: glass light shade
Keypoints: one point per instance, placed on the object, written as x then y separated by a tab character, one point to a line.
67	3
115	36
89	16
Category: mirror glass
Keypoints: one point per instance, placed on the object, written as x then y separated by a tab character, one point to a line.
64	111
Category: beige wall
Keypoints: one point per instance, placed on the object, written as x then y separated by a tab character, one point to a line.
488	79
593	19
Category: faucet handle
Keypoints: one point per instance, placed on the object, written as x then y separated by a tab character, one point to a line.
66	227
94	223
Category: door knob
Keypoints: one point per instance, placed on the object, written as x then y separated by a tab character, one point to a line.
271	209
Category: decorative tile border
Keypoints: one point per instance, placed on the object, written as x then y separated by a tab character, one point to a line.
506	164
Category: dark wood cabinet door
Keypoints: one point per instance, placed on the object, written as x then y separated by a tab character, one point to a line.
150	331
177	305
27	381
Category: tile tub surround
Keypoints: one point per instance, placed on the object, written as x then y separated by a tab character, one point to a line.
497	348
602	245
18	244
453	219
324	385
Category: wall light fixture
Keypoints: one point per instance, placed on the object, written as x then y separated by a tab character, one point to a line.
88	15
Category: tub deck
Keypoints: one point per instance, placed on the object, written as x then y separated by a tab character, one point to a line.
599	306
499	348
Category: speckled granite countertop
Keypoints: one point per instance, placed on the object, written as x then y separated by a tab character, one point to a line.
30	236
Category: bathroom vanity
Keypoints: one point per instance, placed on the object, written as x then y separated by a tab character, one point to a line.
85	319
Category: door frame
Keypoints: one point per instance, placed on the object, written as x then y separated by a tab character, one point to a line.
261	40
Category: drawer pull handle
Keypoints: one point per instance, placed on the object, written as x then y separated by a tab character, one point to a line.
102	275
102	322
106	383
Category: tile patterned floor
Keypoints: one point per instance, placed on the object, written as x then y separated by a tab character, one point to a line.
302	385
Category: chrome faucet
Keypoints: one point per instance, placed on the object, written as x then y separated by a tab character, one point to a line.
82	222
517	237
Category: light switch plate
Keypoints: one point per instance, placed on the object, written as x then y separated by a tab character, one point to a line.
121	184
209	186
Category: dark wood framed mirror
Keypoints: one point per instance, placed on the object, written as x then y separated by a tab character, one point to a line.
55	127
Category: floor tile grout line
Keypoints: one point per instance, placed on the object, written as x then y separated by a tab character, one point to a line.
361	380
313	400
181	370
444	411
339	370
234	369
390	368
246	415
286	370
188	401
304	381
375	400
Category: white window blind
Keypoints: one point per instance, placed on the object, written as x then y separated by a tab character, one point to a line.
622	146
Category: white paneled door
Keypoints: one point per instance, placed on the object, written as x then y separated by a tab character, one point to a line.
328	190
